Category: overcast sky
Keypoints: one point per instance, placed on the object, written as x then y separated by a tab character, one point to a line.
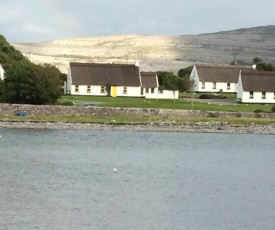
43	20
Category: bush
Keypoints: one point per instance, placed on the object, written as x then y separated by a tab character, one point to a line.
273	109
259	111
213	115
211	96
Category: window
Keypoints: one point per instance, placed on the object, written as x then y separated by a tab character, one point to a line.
102	89
124	90
214	85
203	85
274	96
250	95
228	85
141	93
147	90
88	89
152	90
76	89
263	95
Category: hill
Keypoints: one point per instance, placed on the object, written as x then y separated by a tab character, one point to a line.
8	54
158	52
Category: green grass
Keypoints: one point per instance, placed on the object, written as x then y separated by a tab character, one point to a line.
162	104
120	119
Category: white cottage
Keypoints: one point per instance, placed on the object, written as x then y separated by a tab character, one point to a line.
97	79
256	87
1	72
216	78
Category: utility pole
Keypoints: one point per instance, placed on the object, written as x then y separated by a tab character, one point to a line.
127	59
234	55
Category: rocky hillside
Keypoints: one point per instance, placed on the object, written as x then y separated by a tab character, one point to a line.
158	52
8	54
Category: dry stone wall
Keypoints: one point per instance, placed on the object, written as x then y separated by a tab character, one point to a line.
56	110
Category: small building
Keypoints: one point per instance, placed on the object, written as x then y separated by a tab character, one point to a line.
2	71
256	87
97	79
149	82
103	79
213	78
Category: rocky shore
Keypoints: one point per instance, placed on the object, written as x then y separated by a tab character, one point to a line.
198	127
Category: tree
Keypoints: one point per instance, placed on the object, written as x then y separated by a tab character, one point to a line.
262	66
108	89
19	84
169	81
26	83
8	54
185	71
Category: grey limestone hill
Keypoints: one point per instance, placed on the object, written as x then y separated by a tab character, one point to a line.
158	52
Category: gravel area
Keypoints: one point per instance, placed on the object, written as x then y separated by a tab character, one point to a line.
200	127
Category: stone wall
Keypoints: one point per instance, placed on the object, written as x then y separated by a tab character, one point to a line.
56	110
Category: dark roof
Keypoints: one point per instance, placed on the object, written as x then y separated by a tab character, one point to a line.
258	81
149	79
219	73
102	74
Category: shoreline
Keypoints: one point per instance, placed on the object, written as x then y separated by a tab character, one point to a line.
194	127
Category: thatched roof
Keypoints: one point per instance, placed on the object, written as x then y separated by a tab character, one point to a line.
149	79
258	81
103	74
219	73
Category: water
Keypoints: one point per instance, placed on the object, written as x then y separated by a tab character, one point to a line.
60	179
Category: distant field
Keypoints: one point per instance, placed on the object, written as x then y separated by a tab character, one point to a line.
161	104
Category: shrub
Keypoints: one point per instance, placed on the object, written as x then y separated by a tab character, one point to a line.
213	115
211	96
259	111
273	109
66	103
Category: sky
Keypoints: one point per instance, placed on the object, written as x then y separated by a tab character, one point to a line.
44	20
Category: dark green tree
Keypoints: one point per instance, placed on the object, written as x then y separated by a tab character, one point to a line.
185	71
168	81
108	89
49	82
26	83
262	66
8	54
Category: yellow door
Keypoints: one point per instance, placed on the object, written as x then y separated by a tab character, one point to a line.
114	91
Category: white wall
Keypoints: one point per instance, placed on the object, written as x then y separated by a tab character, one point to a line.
1	72
219	86
154	91
167	94
69	81
239	89
131	91
82	90
257	97
96	91
244	96
194	76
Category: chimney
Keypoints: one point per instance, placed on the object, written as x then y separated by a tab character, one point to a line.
254	66
137	63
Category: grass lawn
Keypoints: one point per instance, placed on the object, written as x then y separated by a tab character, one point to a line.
162	104
120	119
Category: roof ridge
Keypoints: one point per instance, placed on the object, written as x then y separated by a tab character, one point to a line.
101	64
224	66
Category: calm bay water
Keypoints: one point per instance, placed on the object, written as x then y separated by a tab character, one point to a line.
61	179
